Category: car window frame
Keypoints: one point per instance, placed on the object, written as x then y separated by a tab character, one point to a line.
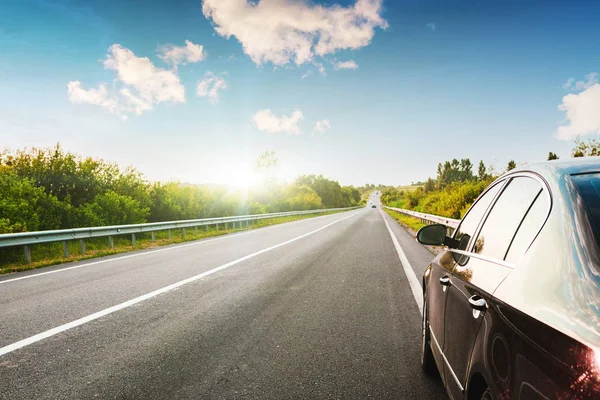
500	181
506	180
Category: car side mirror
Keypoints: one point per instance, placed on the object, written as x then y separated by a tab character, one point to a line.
433	235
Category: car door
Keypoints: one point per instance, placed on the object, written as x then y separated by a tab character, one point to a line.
438	275
477	274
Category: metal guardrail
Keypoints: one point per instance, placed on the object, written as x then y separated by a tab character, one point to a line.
428	218
27	239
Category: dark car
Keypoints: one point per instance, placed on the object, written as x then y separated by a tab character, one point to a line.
511	305
373	206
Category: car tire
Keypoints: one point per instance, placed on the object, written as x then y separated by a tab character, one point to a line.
487	395
427	360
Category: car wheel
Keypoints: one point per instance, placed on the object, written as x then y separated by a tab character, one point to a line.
427	361
487	395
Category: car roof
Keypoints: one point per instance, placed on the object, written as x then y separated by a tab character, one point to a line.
573	166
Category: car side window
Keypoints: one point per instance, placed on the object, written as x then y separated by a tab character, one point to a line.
469	223
530	226
506	215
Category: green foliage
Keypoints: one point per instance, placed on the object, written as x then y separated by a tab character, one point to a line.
511	165
450	195
50	188
172	201
299	198
267	162
329	191
410	222
586	149
112	208
25	207
481	171
454	171
552	156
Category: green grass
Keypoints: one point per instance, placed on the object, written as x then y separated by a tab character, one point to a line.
44	255
406	220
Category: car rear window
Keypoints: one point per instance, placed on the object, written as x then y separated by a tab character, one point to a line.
589	187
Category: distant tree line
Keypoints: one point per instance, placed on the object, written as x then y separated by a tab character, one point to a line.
456	186
49	188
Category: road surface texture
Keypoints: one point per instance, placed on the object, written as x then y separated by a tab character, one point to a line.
319	308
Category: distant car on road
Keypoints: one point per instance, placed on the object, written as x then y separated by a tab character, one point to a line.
373	206
511	306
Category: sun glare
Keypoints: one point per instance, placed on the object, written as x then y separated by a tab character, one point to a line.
240	175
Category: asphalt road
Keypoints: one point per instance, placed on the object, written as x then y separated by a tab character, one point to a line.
318	308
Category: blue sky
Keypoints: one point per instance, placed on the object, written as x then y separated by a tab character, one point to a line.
434	80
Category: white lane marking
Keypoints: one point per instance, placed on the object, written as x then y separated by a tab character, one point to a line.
54	331
415	287
195	243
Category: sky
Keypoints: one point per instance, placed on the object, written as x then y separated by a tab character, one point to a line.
361	91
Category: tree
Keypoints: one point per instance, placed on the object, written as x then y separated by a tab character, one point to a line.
350	196
454	171
429	185
583	149
466	170
511	165
113	209
481	171
267	164
552	156
25	207
297	198
329	191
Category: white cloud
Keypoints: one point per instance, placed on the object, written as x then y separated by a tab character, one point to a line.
153	85
592	79
306	74
582	112
284	31
321	68
175	55
140	85
568	84
210	86
431	26
190	53
99	97
322	126
266	121
136	105
346	65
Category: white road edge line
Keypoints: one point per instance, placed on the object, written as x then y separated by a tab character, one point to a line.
415	287
54	331
194	243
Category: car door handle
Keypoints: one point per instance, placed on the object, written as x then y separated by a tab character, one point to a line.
478	303
445	280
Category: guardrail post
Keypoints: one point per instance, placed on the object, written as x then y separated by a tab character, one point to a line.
111	242
153	236
196	230
169	234
206	228
246	223
65	249
183	233
133	239
81	246
217	227
27	254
